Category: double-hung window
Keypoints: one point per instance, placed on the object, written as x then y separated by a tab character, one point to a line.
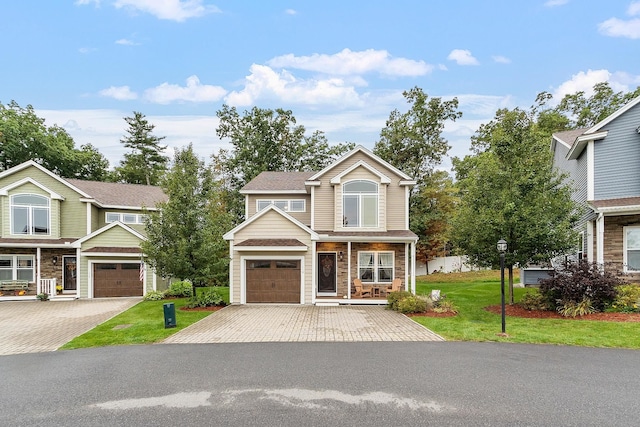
16	267
360	204
632	248
376	267
30	214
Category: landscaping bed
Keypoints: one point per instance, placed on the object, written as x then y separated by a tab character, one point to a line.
517	311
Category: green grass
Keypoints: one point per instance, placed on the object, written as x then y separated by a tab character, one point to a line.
472	292
147	324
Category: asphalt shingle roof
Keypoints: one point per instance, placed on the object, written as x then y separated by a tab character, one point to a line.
278	181
117	194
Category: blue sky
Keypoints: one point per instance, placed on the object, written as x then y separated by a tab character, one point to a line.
340	66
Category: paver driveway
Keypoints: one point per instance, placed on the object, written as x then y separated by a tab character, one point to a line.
36	326
290	323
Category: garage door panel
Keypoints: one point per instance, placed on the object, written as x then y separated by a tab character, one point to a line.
273	281
116	280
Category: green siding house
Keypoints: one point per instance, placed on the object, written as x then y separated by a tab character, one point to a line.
81	237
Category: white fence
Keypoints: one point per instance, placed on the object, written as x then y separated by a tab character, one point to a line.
47	286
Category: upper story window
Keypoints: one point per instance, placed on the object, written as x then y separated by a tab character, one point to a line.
125	218
30	214
360	204
285	205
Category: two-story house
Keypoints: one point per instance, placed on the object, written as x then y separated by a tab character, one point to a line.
602	164
308	235
84	234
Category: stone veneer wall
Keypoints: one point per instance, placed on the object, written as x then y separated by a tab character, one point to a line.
47	269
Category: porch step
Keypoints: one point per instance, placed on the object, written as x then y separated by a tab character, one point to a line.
327	304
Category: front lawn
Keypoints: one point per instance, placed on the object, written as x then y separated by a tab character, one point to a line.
472	292
146	320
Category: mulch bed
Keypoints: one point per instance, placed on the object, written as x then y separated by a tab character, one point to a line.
212	308
517	311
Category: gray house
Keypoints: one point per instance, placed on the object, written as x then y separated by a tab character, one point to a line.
603	164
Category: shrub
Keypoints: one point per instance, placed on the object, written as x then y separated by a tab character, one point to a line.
395	297
43	297
154	296
208	298
580	281
627	299
412	304
179	290
534	301
573	309
444	305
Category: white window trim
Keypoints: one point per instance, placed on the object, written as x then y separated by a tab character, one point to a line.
14	266
376	266
121	215
30	215
360	210
625	260
287	208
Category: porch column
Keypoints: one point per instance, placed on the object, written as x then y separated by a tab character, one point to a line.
38	275
314	276
413	267
590	241
348	269
78	268
600	240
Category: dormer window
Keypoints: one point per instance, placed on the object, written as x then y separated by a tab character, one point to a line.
360	204
30	214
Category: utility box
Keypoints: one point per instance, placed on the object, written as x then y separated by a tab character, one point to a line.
169	315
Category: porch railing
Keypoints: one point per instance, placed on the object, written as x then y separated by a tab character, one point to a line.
47	286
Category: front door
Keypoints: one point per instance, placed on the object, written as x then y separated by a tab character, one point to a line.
327	274
69	273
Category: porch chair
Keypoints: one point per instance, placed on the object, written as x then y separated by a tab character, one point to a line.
359	289
396	284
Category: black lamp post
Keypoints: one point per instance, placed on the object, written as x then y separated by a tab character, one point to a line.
502	248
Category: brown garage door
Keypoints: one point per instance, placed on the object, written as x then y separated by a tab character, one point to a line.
273	281
116	280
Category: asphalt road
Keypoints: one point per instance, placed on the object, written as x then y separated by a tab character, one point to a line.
313	384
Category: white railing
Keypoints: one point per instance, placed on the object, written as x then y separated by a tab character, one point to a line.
47	286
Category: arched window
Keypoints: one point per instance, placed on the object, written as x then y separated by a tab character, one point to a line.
30	214
360	204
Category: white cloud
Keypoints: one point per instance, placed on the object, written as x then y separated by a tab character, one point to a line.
462	57
630	28
554	3
501	59
291	12
173	10
584	81
192	92
264	82
121	93
126	42
348	62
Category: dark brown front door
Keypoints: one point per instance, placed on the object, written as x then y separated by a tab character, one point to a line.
273	281
116	280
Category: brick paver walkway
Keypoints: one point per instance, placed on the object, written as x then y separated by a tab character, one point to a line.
291	323
36	326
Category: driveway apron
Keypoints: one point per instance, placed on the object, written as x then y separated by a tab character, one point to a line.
36	326
295	323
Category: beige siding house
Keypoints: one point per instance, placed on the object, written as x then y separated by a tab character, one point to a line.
82	237
336	236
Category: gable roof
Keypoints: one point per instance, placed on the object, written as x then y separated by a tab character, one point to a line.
108	227
406	179
230	234
275	182
568	137
612	117
117	195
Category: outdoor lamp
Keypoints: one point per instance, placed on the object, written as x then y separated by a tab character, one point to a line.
502	246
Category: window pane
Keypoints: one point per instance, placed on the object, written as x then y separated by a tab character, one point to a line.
6	274
40	221
129	219
350	211
385	259
129	266
25	262
25	274
6	261
263	204
633	238
633	260
365	259
30	199
113	217
360	187
297	205
106	266
282	204
385	274
286	264
260	264
370	211
20	221
366	274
